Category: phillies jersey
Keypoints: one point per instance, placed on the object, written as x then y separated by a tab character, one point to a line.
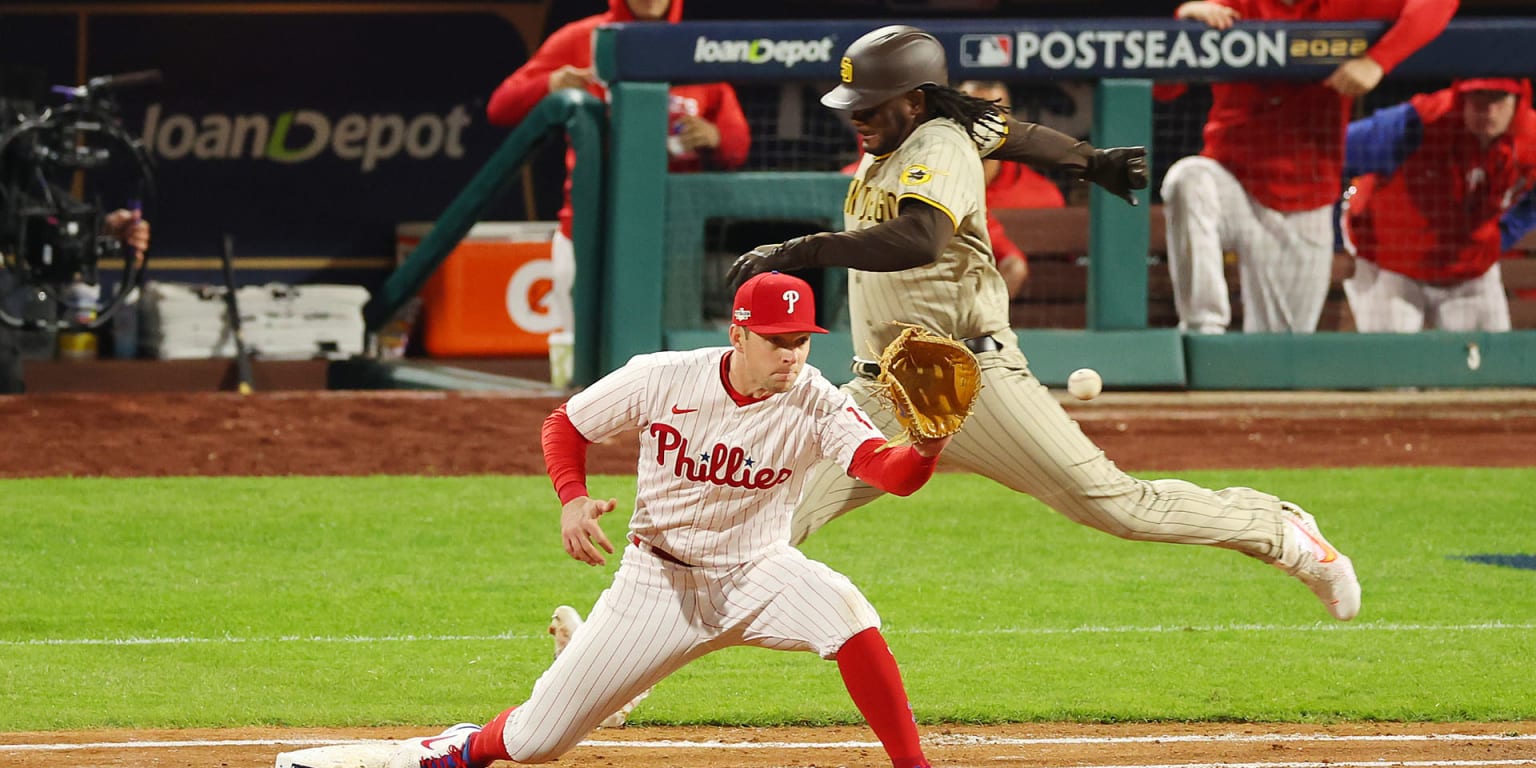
961	293
1285	140
571	45
1431	205
717	482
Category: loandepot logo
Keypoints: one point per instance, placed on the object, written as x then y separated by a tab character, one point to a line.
305	134
761	51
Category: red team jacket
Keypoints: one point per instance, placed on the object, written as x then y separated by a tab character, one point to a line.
571	45
1435	217
1285	140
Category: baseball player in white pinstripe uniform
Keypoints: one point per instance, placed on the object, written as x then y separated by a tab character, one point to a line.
916	246
728	437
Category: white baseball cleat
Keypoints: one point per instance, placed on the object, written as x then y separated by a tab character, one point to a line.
562	625
449	749
1324	569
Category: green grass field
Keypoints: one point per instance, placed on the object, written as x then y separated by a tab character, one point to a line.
387	600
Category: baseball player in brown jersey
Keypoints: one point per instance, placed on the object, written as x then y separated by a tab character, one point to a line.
728	436
916	246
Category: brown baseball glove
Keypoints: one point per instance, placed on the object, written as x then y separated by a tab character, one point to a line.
930	382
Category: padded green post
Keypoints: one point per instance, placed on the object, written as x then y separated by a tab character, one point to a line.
1119	236
586	129
486	187
634	263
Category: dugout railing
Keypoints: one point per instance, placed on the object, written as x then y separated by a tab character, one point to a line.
653	256
570	113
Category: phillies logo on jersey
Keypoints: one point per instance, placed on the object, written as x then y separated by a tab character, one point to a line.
720	465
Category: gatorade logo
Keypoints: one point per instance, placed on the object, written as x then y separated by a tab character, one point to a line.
528	299
762	51
302	135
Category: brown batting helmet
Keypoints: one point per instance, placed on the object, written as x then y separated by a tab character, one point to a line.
885	63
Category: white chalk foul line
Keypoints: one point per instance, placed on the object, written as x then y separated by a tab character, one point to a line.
962	740
1491	626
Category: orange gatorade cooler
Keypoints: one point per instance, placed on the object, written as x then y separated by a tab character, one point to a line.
491	295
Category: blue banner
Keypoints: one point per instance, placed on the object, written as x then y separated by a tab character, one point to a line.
1162	49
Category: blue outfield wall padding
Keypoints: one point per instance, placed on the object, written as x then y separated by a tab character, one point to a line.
1361	361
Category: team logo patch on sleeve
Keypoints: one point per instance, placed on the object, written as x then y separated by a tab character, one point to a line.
914	175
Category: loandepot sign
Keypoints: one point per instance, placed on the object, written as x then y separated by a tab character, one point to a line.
762	51
305	134
1153	49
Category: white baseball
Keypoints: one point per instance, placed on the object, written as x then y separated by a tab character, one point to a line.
1085	384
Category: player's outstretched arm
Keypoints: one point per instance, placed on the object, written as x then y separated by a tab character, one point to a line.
916	236
1119	170
580	532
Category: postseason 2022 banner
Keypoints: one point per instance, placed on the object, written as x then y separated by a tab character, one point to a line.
307	135
1151	48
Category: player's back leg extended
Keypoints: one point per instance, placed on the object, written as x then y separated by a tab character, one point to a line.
1021	437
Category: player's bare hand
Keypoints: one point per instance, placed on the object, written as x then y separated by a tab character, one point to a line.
790	254
931	447
1119	170
129	227
1355	77
579	531
697	133
571	77
1212	15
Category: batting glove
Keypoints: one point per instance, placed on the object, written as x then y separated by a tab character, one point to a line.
1119	170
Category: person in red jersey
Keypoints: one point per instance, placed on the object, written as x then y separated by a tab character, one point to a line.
1272	168
706	128
1435	205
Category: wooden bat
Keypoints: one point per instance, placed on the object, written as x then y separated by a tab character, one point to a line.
232	304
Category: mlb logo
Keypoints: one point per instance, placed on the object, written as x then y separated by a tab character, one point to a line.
986	50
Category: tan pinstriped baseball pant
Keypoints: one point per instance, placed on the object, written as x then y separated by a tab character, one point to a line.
1020	436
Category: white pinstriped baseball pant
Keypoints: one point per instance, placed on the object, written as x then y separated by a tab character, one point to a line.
656	617
1285	259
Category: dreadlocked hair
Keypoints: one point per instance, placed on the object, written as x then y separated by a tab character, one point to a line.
978	117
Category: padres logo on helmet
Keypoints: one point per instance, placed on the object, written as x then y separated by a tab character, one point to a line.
886	63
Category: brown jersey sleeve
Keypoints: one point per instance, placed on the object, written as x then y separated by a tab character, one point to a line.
1041	147
915	237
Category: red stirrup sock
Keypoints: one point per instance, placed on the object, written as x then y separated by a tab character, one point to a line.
874	683
489	745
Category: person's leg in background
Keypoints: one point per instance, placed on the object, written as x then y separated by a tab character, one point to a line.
1382	301
1286	266
1479	304
1200	228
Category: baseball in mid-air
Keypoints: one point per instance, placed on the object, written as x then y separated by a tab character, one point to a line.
1085	384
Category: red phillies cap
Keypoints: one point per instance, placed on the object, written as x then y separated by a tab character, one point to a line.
772	303
1502	84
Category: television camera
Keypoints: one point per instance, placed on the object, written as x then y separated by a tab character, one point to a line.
62	168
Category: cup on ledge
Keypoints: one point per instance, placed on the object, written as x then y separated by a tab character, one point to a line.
561	350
